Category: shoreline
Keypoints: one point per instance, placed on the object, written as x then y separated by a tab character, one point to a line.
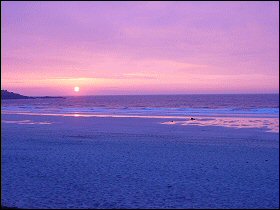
270	124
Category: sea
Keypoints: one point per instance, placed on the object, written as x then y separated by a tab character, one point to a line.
248	110
152	105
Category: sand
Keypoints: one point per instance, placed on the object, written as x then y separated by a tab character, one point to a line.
77	162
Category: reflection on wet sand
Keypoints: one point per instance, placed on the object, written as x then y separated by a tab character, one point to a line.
26	122
268	123
271	124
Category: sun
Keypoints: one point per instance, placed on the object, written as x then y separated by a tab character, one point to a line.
76	89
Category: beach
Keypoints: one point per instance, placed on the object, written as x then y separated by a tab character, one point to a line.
151	105
119	162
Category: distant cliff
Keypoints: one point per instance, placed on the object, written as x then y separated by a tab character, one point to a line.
10	95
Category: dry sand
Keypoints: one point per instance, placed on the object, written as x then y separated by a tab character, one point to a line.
76	162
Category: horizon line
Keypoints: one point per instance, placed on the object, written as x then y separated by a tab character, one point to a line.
152	94
165	94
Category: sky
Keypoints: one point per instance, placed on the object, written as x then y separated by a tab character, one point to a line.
132	48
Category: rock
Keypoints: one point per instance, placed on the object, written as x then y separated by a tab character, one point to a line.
10	95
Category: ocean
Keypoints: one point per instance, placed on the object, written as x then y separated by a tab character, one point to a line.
253	105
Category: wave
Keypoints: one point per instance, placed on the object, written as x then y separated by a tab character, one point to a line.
148	111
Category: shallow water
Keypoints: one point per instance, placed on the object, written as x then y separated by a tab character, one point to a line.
236	110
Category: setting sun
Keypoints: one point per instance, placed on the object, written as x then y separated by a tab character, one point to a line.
76	89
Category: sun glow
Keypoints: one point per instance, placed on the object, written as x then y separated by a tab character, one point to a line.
76	89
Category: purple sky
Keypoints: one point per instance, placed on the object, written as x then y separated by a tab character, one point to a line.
48	48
